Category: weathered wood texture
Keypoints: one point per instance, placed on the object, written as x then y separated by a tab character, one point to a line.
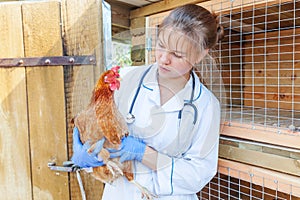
15	181
267	159
272	71
214	5
159	7
32	104
263	134
119	16
82	36
46	101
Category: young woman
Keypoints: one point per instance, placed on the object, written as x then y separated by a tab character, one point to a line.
173	118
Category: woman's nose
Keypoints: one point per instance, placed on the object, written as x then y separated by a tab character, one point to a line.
165	57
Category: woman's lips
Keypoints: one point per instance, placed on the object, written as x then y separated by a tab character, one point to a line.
164	69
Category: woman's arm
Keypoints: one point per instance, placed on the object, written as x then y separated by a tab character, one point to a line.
150	158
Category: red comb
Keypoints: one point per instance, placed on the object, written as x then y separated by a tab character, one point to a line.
116	69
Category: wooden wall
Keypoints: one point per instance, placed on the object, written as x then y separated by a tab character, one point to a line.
273	63
32	106
37	103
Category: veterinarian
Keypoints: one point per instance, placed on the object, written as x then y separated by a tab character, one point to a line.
173	118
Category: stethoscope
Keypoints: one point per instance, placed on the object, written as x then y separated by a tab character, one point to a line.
130	118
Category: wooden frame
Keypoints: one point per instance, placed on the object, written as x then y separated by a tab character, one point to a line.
214	5
260	176
262	134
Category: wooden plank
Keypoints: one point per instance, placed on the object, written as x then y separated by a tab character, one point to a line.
273	46
14	147
264	177
238	26
263	134
286	35
272	74
46	102
218	6
283	97
266	160
120	14
272	79
160	7
83	24
227	7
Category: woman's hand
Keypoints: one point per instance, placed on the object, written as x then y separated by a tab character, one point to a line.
131	149
81	157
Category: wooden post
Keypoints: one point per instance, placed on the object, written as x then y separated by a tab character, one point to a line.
15	181
46	100
82	29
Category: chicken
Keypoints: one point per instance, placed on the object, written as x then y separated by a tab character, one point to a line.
101	119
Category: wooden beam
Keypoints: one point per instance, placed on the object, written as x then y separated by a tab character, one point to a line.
120	26
213	5
264	177
262	134
266	160
160	7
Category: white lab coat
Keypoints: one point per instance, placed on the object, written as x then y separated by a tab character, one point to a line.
176	178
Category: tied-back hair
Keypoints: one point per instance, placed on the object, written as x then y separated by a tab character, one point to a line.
202	28
197	23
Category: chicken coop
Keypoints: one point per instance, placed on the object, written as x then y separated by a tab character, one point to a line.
259	62
52	52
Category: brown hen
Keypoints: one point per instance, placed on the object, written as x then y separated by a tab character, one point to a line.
101	119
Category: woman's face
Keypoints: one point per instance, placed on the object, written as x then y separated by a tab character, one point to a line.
176	54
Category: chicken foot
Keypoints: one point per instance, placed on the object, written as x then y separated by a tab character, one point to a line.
145	192
112	166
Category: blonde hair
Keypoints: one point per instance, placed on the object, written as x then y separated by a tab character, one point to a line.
195	22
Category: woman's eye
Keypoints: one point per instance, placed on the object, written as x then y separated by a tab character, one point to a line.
177	55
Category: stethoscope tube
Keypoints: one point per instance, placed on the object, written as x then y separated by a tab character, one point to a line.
190	103
130	118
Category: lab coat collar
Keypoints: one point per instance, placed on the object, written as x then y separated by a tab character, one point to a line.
176	103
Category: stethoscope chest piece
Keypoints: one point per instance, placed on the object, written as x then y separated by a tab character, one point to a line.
130	118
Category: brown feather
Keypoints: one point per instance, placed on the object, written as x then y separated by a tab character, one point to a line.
101	119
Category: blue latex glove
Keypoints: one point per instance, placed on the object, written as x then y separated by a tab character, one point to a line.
131	149
81	157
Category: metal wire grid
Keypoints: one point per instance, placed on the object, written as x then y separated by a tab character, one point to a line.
259	62
224	186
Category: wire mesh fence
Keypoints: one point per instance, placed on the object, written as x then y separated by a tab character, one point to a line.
236	184
258	59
